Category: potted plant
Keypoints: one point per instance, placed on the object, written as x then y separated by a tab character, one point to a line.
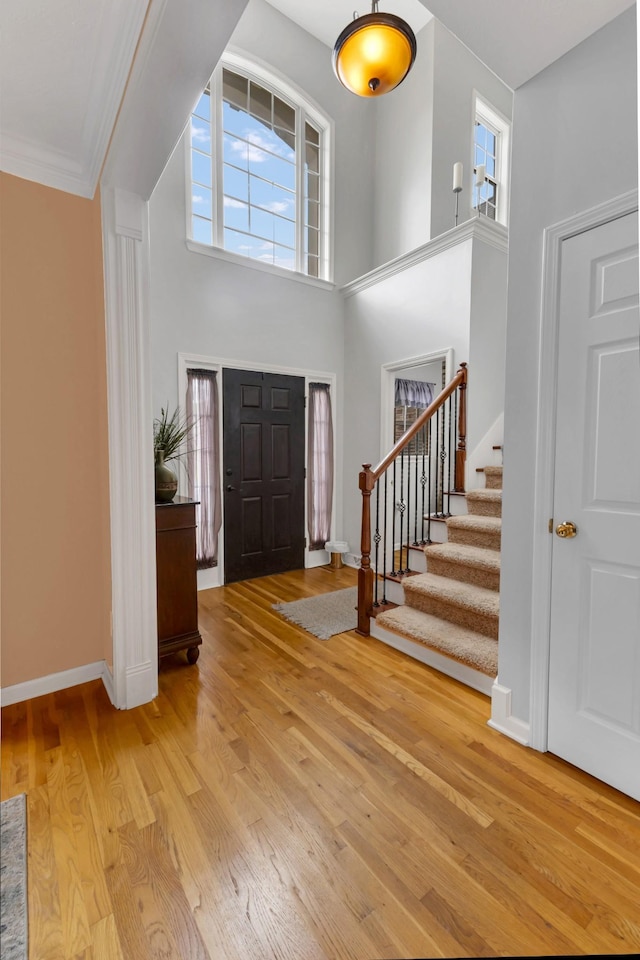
169	436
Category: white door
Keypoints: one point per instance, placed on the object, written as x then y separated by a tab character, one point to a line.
594	679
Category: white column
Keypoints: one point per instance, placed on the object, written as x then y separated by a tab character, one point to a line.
134	679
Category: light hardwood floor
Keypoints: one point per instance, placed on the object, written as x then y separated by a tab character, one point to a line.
307	800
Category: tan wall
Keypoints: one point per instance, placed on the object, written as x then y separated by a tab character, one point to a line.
56	566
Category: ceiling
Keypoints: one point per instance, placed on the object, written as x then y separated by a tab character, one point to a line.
65	63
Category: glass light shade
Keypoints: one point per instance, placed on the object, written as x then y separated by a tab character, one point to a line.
374	54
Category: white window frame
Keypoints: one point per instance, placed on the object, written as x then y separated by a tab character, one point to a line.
305	109
486	114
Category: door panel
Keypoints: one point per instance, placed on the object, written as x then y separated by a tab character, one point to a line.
594	679
263	443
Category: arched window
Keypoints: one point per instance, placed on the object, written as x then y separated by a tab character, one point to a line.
259	171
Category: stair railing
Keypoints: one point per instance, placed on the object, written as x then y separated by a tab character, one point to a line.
411	486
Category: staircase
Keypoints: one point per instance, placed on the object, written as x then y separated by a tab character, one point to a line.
450	614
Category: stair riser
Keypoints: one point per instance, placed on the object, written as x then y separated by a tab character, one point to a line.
462	616
474	538
478	576
493	483
484	508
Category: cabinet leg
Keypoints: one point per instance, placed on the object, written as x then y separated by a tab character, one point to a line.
192	654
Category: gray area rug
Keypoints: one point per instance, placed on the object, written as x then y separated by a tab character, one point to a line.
324	615
13	878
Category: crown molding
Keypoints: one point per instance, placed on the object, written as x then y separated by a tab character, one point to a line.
120	28
478	228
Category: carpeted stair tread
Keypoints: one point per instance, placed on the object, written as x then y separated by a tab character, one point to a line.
467	595
472	565
475	531
460	643
493	478
462	553
485	502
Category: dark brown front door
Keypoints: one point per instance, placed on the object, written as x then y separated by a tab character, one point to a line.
263	463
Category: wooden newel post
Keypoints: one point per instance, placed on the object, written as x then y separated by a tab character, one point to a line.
461	451
365	573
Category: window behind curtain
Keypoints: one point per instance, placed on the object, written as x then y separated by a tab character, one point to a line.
412	397
204	463
320	466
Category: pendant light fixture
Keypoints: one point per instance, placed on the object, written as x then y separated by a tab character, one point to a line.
374	53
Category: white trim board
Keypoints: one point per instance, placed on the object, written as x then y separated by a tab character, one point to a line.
192	360
479	228
437	661
503	720
554	236
53	682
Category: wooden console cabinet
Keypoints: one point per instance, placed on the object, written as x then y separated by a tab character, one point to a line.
176	578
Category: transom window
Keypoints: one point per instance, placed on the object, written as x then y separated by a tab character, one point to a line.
258	174
490	161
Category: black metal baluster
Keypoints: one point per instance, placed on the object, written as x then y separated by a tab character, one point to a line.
386	542
436	470
394	572
401	508
408	566
423	479
430	453
415	509
449	459
376	540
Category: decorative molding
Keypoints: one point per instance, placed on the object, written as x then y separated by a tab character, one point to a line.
107	680
119	23
418	651
503	720
53	682
478	228
130	449
542	543
32	161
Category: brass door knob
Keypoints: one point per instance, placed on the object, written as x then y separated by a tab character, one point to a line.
566	529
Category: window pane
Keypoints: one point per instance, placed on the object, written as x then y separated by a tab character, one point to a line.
203	108
312	242
236	152
313	213
235	89
235	121
481	135
236	214
480	156
260	103
283	115
284	258
284	232
288	141
200	135
491	166
201	167
271	168
312	266
261	250
201	201
262	223
311	134
491	142
313	186
272	198
236	182
201	230
312	158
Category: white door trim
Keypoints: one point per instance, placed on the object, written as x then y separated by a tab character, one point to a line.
187	360
554	236
387	389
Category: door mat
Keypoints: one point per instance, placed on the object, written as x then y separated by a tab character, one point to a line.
13	878
324	615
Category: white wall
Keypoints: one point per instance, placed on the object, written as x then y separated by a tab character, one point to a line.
575	145
423	309
404	125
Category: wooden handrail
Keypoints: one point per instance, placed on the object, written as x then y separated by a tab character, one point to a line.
368	479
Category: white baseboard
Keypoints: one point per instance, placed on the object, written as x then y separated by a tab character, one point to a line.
503	720
316	558
209	578
141	684
352	560
107	680
53	682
